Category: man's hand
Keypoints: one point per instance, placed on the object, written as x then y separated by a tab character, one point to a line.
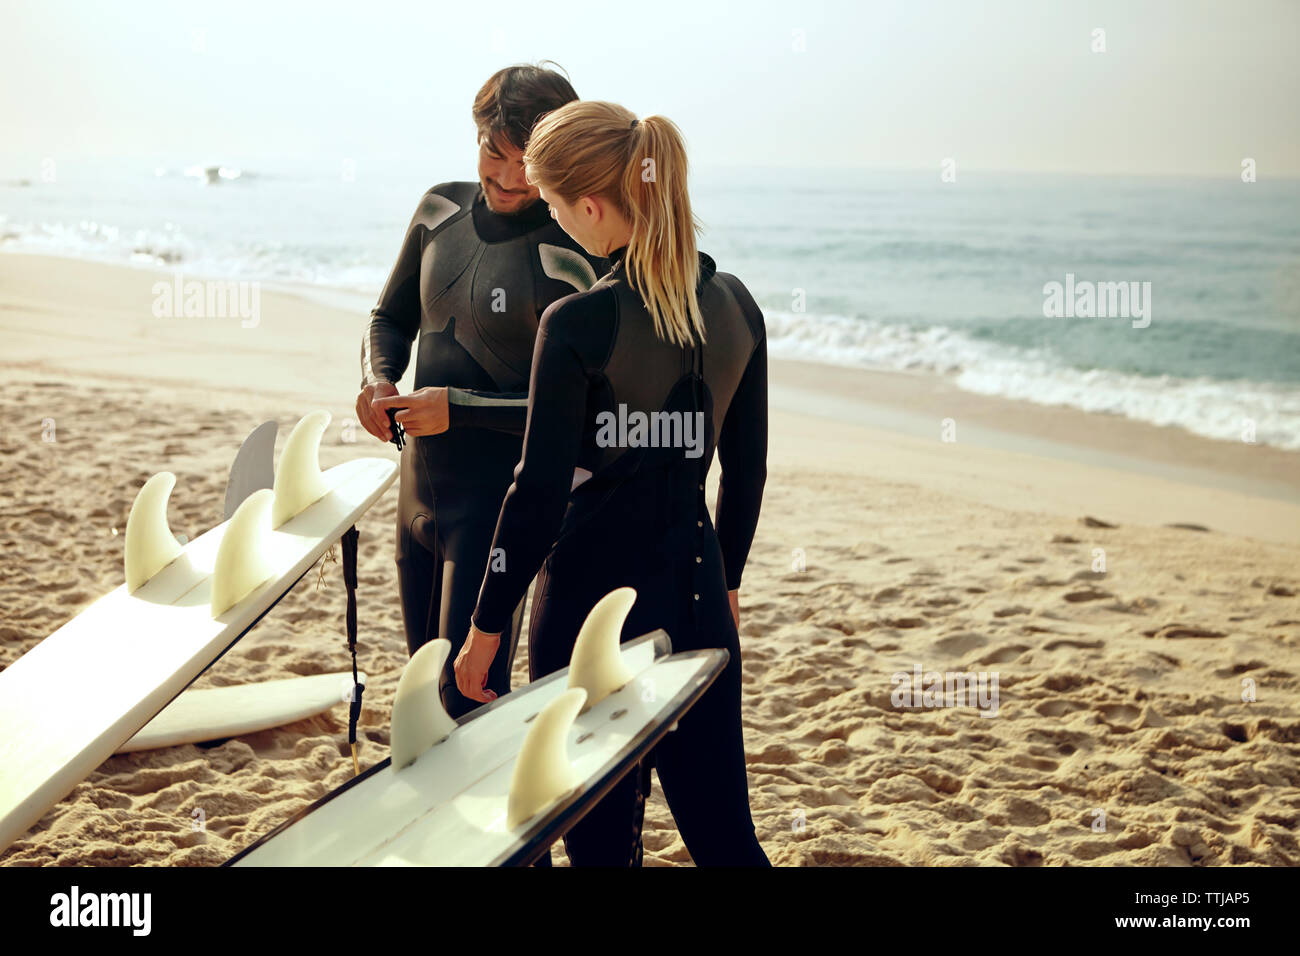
473	662
733	597
424	412
372	421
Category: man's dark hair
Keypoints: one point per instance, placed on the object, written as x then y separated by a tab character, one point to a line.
513	99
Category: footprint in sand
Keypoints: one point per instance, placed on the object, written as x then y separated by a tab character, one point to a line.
1088	521
959	645
1010	611
1087	594
904	622
1081	645
1064	683
1002	655
1119	713
1058	707
1241	668
1142	605
1183	630
1039	581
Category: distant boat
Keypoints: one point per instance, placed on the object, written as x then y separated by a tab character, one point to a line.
214	175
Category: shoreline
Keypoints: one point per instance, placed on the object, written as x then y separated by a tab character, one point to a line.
911	403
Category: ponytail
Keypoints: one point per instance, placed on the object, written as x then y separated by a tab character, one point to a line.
590	148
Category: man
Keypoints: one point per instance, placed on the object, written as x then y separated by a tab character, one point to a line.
480	263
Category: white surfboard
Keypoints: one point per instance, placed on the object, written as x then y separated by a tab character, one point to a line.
72	700
511	778
217	713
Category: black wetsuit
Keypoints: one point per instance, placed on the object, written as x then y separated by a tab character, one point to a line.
473	284
641	520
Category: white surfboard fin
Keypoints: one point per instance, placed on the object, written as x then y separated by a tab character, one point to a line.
242	562
150	545
419	720
596	664
298	479
543	772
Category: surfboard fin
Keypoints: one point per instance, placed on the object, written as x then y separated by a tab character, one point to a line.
242	563
419	720
150	545
543	772
298	479
596	664
253	467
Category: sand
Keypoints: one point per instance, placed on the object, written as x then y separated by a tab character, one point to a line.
1146	674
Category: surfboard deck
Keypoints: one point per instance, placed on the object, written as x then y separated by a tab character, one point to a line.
449	807
217	713
72	700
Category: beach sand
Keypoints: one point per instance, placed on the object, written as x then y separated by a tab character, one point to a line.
1124	730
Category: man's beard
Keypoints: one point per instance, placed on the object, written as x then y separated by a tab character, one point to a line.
517	211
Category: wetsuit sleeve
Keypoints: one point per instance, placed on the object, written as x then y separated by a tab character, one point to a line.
742	453
500	411
395	319
534	505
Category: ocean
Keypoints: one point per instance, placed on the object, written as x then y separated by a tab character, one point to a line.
1197	281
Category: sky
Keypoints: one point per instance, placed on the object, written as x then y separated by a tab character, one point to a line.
1183	87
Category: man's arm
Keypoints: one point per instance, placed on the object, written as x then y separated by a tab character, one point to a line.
395	319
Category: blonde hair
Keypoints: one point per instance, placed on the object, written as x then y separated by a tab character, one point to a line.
591	148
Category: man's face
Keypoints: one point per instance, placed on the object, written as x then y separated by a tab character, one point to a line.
501	174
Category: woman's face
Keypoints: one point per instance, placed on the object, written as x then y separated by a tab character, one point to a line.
575	219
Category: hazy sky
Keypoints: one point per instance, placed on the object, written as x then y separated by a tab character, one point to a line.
1184	86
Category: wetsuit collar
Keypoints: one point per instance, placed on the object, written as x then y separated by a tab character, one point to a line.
494	227
707	266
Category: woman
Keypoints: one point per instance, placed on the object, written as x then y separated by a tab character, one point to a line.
597	507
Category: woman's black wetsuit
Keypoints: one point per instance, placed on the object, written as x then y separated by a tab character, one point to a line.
641	520
473	284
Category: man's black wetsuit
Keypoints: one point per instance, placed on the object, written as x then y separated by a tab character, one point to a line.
473	284
641	520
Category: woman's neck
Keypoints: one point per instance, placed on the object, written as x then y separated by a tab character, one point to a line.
618	240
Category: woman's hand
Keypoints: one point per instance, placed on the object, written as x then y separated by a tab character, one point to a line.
473	662
424	411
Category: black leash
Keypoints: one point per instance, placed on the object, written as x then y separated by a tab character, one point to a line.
358	688
350	538
399	433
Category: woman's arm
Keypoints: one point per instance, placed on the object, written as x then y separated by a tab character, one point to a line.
742	453
534	506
